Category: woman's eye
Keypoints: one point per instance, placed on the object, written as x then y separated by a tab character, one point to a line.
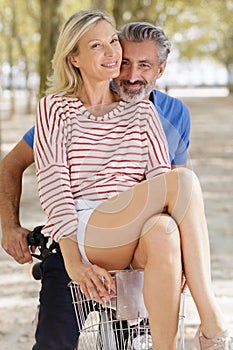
95	45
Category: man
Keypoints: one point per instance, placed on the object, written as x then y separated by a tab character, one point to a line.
145	52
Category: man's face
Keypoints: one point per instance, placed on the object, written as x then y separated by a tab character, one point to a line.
139	70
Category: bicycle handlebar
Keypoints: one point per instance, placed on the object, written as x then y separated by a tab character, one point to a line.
37	239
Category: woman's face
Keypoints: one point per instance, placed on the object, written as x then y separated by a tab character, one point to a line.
100	53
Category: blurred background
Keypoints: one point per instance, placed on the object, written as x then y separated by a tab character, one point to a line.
201	32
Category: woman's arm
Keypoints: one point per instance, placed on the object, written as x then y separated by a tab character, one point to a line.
87	276
52	169
53	173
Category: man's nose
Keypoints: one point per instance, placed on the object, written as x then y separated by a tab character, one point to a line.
133	74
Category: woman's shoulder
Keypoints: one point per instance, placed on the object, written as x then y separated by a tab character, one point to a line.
51	98
60	99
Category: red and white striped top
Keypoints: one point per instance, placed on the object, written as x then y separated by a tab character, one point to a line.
79	155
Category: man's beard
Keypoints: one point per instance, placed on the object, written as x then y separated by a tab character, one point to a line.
133	96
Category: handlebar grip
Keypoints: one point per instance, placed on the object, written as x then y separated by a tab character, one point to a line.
37	239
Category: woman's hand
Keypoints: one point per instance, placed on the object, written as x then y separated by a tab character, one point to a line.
95	282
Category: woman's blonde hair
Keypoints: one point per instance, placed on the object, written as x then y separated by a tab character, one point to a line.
67	78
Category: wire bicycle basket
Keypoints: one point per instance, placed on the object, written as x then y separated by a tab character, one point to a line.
119	324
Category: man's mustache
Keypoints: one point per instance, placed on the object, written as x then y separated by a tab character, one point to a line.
136	82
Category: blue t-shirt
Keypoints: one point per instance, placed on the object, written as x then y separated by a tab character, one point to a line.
29	137
175	119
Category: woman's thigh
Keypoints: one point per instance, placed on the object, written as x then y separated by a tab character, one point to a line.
159	238
118	221
115	227
117	258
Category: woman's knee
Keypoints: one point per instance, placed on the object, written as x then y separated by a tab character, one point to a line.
187	179
183	191
161	233
159	243
162	223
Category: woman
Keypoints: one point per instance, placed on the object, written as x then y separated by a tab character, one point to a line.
104	181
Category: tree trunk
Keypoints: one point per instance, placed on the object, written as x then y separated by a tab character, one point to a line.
229	67
98	5
49	29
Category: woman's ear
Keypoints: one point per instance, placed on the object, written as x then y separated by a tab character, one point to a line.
74	60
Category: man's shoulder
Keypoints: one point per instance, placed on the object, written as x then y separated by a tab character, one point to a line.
162	98
168	105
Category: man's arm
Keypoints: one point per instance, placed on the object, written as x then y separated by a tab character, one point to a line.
11	171
178	166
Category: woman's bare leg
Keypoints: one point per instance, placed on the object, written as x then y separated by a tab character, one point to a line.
196	259
158	252
120	220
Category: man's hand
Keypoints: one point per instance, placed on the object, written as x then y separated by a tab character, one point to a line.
14	237
14	242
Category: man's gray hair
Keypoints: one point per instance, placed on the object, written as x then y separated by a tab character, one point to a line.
141	31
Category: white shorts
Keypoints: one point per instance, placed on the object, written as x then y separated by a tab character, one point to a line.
84	209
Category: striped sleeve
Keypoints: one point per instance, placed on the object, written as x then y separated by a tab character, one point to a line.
158	155
52	169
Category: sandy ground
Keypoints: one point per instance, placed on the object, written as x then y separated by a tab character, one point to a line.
211	156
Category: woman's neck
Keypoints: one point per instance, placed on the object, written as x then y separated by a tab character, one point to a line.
98	100
97	95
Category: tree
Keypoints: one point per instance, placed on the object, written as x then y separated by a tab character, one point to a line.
29	29
198	35
8	18
99	5
19	38
221	46
49	30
